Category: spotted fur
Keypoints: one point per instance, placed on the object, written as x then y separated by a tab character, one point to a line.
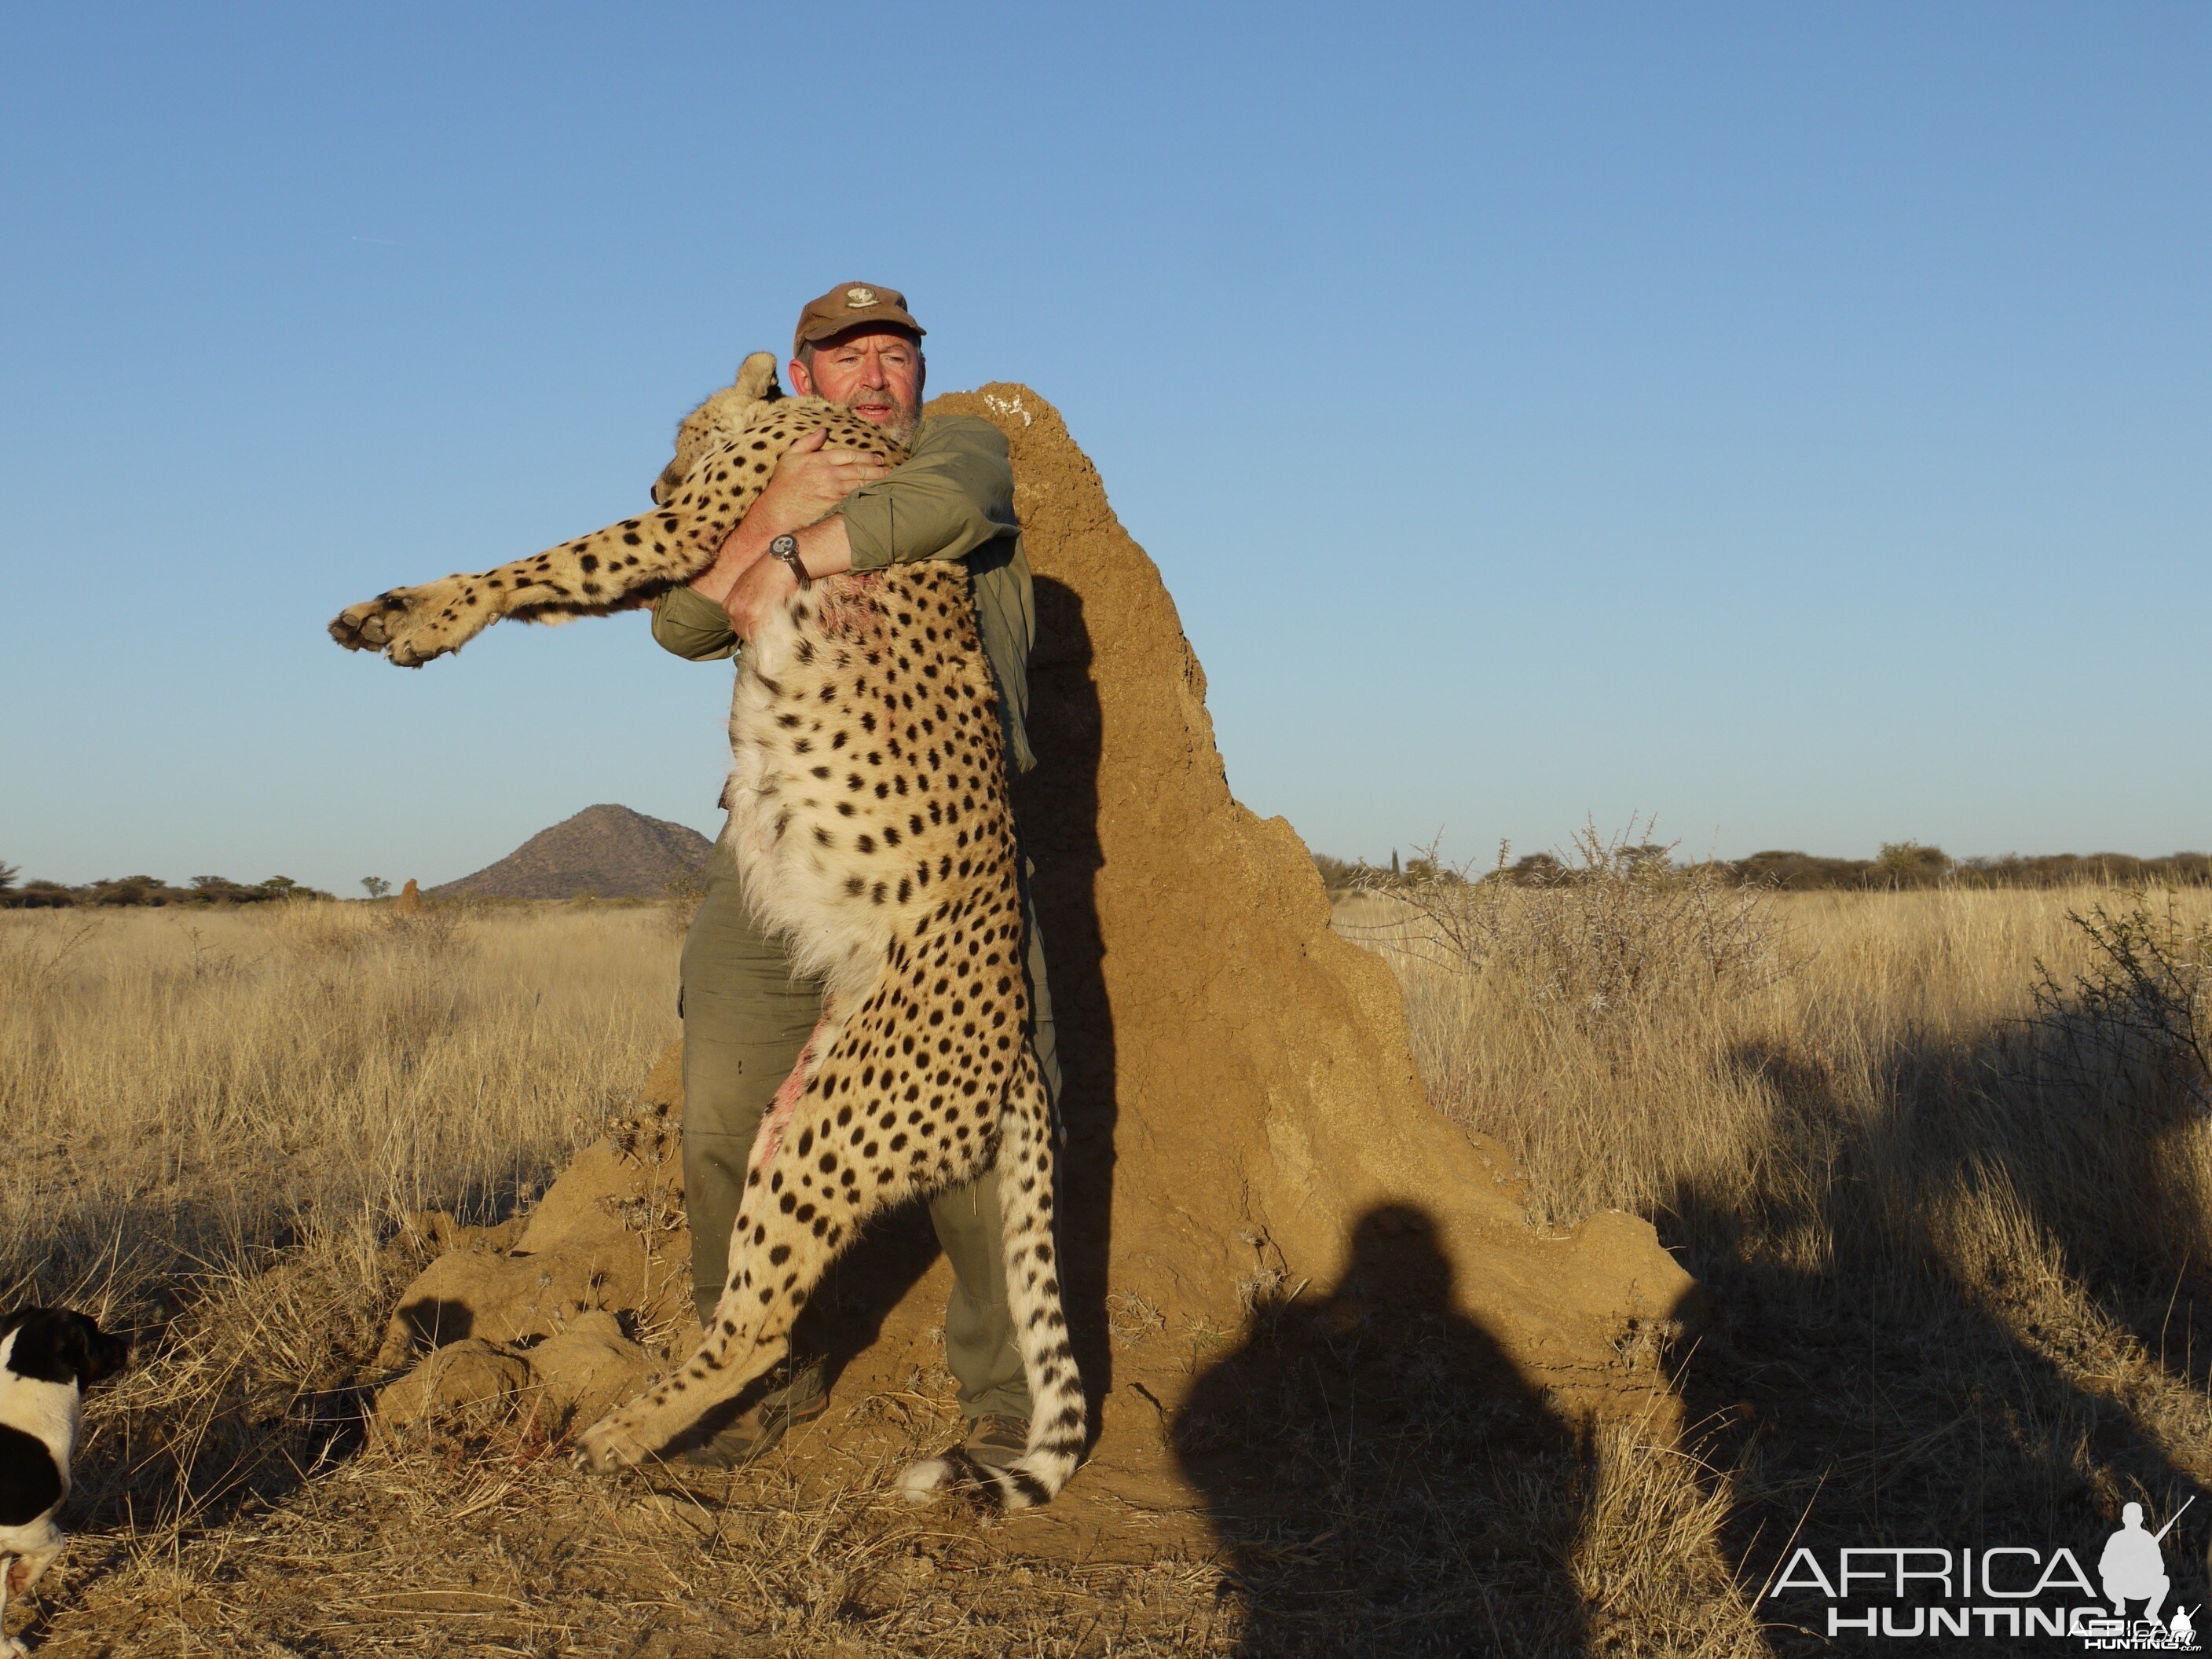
871	821
726	450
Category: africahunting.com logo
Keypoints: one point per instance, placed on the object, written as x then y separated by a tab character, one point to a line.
2011	1590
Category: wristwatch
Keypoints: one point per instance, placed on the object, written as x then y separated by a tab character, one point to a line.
787	548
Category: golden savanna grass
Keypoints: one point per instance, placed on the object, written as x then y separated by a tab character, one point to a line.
222	1117
1953	1235
1953	1281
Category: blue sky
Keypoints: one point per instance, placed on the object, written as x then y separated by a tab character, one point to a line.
1790	421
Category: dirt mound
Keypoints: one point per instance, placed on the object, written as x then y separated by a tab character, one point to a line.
1244	1123
545	1307
603	852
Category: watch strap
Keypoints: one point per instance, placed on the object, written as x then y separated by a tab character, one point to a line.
785	548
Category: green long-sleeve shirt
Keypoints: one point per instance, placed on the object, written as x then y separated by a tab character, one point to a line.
952	498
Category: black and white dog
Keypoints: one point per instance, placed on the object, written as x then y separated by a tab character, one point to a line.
48	1358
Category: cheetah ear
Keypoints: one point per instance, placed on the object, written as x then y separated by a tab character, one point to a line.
756	382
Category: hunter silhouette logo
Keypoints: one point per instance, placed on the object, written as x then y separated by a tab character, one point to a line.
2133	1567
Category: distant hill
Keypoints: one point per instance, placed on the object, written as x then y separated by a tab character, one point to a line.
603	852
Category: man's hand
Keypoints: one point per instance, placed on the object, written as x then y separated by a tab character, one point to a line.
809	480
766	584
825	548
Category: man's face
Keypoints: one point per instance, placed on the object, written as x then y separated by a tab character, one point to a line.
877	373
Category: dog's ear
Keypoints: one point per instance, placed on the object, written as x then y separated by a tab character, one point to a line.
94	1354
110	1354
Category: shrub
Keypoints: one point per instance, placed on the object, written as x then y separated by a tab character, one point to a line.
1906	864
1337	875
2138	1017
1605	928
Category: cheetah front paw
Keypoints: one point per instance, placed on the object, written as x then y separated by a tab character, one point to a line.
612	1443
411	625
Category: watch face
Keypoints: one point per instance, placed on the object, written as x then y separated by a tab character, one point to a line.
783	546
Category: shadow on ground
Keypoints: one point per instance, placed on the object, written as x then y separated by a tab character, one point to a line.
1918	1380
1381	1478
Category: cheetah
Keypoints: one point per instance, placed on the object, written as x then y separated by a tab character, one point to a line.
725	452
870	818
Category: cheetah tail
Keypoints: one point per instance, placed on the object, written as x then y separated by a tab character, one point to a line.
1057	1411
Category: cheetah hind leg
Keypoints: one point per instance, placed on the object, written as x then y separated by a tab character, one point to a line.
777	1118
778	1257
747	1334
1057	1410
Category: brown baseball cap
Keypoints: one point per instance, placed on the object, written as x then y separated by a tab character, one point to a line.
853	304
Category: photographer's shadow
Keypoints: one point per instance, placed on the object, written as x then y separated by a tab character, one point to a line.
1380	1478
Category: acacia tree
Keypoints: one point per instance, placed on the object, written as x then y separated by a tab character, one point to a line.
377	887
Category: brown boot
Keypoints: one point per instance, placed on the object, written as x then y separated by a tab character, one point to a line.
758	1433
996	1440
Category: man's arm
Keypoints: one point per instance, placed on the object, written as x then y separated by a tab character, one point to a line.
952	495
694	621
692	625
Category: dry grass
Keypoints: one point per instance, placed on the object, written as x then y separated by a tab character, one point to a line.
1953	1214
222	1117
229	1118
1954	1258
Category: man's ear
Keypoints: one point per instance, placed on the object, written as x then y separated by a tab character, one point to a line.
801	382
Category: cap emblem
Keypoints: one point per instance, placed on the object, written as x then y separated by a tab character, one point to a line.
860	299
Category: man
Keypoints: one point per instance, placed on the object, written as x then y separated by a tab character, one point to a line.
745	1015
2133	1568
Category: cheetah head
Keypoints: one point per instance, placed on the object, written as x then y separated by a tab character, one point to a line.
722	414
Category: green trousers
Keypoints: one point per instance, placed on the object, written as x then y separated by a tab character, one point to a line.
746	1016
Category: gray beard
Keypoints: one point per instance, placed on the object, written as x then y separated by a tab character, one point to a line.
899	429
